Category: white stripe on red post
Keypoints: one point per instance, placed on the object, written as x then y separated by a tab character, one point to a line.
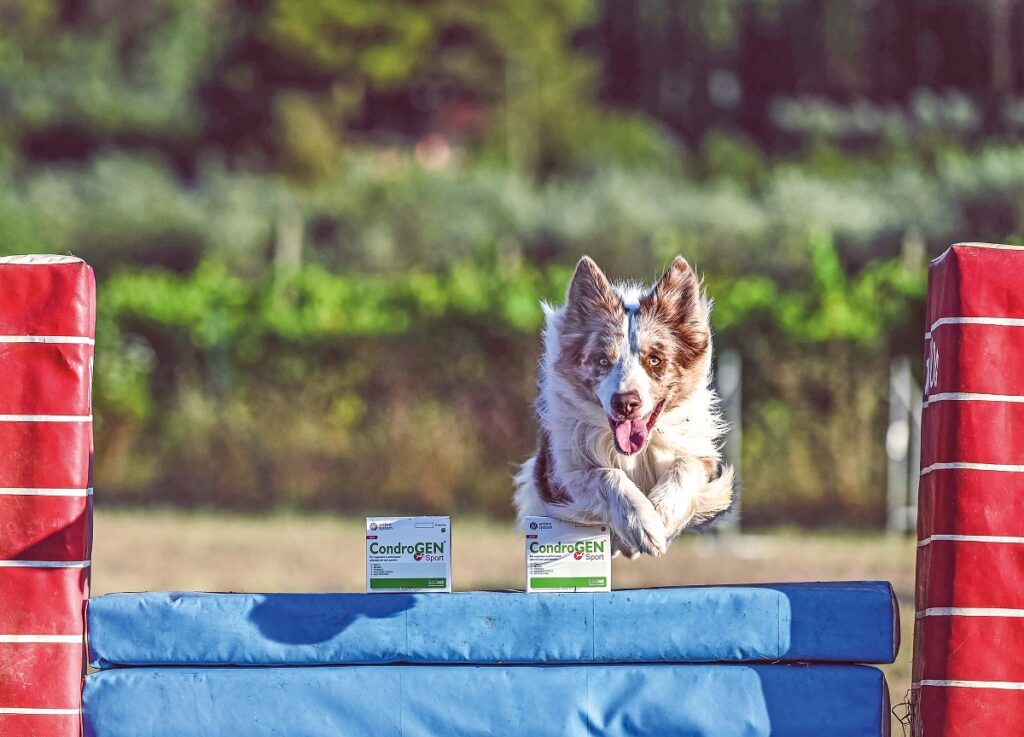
45	418
45	492
52	339
956	611
971	539
1001	685
959	466
972	397
45	563
41	639
1006	322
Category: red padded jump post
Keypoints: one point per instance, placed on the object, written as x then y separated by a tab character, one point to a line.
969	634
47	327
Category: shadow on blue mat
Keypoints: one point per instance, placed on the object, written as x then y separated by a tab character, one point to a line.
306	619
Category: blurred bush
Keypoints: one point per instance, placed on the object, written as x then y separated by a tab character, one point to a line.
383	211
322	229
413	391
343	377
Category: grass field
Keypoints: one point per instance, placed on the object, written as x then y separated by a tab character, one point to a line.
163	549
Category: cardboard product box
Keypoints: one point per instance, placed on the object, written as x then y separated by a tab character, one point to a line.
567	556
408	554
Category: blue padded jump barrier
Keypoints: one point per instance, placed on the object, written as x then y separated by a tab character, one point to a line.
648	662
831	622
498	701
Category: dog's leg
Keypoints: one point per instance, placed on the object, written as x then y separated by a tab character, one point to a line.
620	548
609	494
692	491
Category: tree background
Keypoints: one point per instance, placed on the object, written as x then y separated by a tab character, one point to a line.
322	227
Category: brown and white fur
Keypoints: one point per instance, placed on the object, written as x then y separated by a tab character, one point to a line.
629	426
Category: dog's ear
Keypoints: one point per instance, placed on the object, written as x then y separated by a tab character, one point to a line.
678	291
590	306
679	301
590	290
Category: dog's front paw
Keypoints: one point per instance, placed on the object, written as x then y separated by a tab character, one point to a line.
692	494
673	499
632	517
620	548
645	532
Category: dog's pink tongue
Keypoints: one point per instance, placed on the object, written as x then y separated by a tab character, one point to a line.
630	435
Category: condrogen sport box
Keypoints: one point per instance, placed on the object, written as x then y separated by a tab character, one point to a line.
567	556
408	554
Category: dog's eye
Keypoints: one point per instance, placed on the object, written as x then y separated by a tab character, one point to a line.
654	360
603	362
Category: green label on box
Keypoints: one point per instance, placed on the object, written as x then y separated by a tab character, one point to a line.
577	582
408	583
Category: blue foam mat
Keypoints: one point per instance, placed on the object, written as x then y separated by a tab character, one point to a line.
498	701
830	622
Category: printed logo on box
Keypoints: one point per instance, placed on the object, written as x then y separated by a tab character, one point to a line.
567	556
408	554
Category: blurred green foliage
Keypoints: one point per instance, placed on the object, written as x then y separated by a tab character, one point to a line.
385	212
292	389
322	229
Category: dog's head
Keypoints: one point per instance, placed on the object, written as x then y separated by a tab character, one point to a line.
636	353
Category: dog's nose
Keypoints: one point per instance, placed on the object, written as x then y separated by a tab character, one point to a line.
626	404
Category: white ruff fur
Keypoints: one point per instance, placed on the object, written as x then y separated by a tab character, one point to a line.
648	497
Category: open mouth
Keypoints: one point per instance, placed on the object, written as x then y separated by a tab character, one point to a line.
631	435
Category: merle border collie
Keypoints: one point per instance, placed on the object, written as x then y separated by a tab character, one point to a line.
629	424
